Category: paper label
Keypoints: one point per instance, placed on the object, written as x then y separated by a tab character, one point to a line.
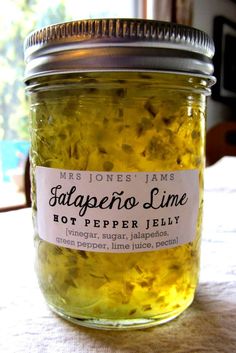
117	212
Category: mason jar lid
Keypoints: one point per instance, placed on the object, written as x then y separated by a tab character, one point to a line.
117	45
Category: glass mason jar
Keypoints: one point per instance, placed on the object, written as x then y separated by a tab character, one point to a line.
118	110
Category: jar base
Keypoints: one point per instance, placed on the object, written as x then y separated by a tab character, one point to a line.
122	324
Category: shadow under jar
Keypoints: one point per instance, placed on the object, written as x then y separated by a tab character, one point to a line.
117	158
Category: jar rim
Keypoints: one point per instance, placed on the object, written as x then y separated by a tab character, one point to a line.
117	44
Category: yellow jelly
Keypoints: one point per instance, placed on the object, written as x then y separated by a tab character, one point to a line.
107	123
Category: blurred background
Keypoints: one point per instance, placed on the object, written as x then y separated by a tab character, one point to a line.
19	17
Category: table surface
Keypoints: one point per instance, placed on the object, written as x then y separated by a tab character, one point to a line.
209	325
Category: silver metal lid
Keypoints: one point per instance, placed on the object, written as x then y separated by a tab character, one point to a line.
117	45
